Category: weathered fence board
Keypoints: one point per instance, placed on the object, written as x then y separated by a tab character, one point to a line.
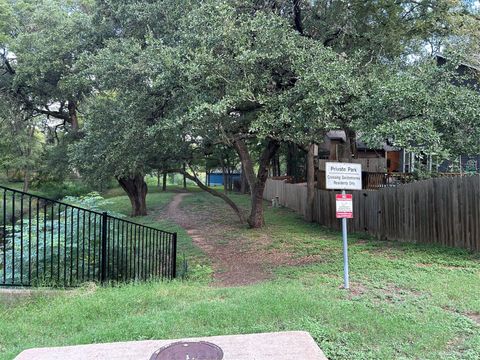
444	211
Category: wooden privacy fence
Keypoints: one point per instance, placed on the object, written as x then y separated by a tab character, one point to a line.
443	211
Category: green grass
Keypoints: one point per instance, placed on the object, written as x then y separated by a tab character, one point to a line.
156	203
407	301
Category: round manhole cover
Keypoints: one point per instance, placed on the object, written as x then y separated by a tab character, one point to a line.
201	350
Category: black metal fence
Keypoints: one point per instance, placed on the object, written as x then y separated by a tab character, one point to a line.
51	243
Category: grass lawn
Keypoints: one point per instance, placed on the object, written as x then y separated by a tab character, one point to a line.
156	203
406	302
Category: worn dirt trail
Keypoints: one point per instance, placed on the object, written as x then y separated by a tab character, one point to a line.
234	262
236	259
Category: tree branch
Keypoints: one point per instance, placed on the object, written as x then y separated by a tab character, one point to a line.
332	37
55	114
297	16
242	151
266	157
213	192
8	66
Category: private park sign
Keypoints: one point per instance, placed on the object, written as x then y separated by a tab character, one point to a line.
343	176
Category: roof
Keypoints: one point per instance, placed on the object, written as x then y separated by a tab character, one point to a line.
384	146
337	134
472	64
340	135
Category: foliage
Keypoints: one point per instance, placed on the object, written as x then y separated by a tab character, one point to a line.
221	73
54	165
157	84
91	201
52	252
39	49
48	39
243	72
103	153
381	30
20	141
50	242
57	190
425	97
5	17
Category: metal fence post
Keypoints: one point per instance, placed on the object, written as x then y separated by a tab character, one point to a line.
174	256
103	263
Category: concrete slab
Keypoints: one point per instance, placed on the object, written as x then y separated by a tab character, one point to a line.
292	345
12	296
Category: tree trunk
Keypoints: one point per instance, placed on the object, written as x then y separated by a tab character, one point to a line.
349	149
279	165
351	135
229	175
310	183
207	182
256	219
26	179
224	174
136	189
164	185
184	178
72	112
297	16
26	172
293	161
225	180
243	182
256	183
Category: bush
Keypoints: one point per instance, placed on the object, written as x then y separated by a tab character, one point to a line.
59	190
50	245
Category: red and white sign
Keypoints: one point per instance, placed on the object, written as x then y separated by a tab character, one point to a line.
344	206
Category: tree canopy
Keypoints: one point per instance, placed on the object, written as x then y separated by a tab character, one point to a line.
149	85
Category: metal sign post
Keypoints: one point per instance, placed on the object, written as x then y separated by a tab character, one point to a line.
344	208
344	176
346	281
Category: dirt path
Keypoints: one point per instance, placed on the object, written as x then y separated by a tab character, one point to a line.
236	259
173	210
234	262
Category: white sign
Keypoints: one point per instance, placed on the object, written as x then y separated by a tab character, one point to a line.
343	176
344	206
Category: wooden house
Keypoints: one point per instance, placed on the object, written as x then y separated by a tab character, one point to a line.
377	163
